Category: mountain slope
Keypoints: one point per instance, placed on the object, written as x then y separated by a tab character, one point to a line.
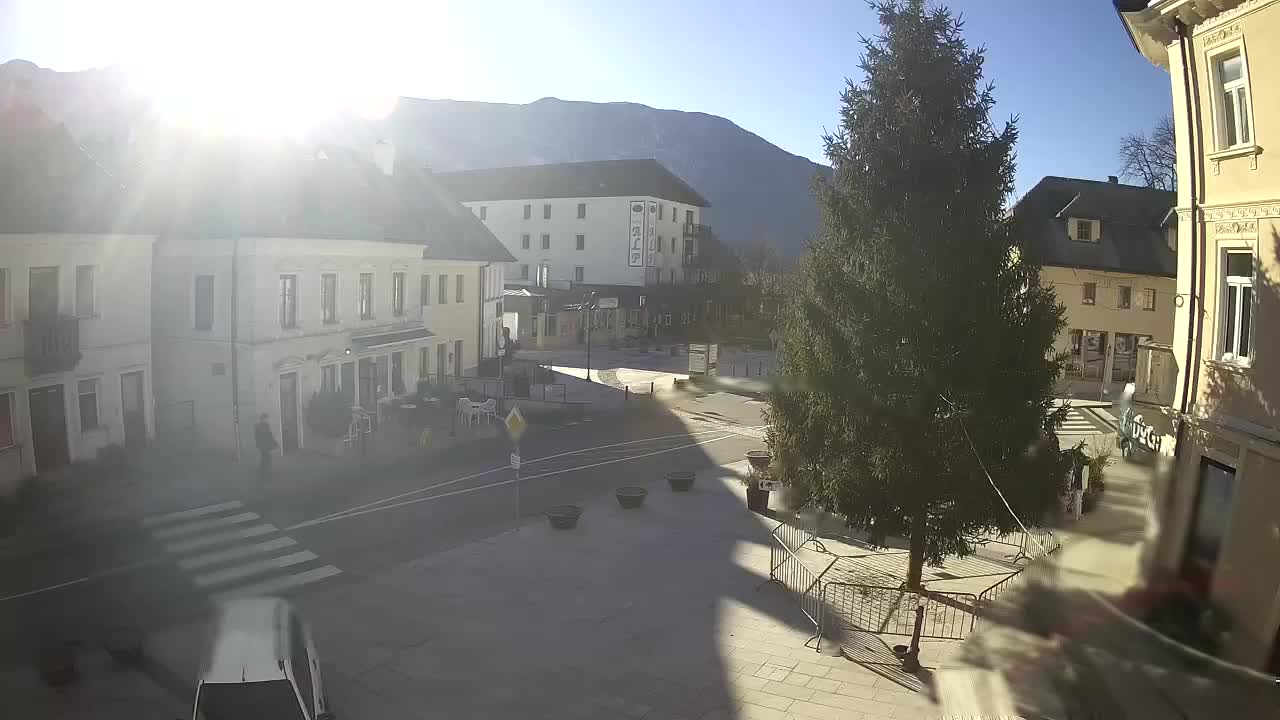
757	190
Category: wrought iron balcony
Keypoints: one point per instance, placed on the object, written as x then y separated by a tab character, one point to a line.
52	344
694	230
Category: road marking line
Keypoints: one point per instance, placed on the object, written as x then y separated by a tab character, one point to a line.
192	528
277	584
192	513
251	569
331	518
235	553
219	538
498	469
85	579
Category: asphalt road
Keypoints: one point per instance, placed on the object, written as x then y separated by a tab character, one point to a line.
165	570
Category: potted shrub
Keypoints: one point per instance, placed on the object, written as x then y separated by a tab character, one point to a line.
759	483
680	480
564	517
631	497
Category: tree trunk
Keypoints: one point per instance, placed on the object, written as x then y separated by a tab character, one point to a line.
915	566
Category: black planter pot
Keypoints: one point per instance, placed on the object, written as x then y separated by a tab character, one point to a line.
124	645
564	517
631	498
680	480
56	664
757	500
900	651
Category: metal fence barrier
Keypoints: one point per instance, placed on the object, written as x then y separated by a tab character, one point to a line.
1035	543
876	609
786	569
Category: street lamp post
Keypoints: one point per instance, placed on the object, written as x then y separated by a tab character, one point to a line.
589	304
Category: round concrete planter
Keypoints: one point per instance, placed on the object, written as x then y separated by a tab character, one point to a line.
631	498
564	517
759	459
680	480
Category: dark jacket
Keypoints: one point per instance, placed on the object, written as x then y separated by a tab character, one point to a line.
262	436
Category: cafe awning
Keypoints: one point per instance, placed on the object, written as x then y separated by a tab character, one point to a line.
387	339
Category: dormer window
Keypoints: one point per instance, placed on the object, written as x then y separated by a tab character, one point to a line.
1083	230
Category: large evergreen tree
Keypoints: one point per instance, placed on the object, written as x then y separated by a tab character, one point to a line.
916	318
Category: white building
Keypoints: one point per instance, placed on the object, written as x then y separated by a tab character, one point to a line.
283	271
613	222
75	292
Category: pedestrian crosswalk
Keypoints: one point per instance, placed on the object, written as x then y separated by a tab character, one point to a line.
1076	424
229	552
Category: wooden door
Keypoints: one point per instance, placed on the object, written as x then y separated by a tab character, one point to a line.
133	409
289	412
48	428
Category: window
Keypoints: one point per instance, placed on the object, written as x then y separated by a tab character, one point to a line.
633	318
457	290
424	361
4	296
1209	524
288	301
366	296
1237	307
673	244
546	211
671	274
524	272
329	298
84	291
544	274
528	211
582	211
425	291
1090	292
203	301
484	213
660	243
688	220
1148	298
1125	300
1232	102
6	420
546	242
580	242
397	373
329	378
442	292
578	271
88	392
524	241
1084	230
397	294
661	209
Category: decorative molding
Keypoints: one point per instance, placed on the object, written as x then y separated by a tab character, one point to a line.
1255	211
1239	228
1229	16
1217	37
1250	151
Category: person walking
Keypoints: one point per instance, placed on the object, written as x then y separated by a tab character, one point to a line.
1079	481
266	443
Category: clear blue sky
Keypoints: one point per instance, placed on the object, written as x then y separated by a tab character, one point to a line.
775	68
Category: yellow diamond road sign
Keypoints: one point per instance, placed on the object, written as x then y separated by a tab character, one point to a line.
516	424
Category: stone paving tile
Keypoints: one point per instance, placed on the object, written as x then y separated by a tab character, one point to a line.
812	669
749	711
749	681
790	691
824	684
867	692
772	672
815	711
797	679
769	700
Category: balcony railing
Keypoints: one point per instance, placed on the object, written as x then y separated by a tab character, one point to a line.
695	230
52	344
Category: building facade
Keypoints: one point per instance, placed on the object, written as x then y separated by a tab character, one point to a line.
616	222
75	320
1221	508
1109	251
393	283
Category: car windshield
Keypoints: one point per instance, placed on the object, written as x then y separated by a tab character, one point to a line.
270	700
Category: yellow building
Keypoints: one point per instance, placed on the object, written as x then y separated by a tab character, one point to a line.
1108	251
1220	515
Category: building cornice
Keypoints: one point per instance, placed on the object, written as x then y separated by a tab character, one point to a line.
1249	211
1154	28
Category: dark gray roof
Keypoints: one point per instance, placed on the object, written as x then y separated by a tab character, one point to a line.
49	185
1132	241
604	178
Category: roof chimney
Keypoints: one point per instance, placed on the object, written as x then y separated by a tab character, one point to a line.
384	156
1113	179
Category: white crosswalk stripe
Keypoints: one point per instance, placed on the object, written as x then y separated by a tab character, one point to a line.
1076	424
227	551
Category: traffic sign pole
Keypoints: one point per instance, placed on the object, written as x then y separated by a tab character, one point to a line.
516	426
516	465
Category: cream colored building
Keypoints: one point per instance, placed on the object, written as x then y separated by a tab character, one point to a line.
1108	250
1220	514
336	275
75	305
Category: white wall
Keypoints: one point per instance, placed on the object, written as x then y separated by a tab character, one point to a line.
115	340
606	227
196	365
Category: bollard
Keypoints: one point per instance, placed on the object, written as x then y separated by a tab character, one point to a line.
626	393
760	370
650	387
911	662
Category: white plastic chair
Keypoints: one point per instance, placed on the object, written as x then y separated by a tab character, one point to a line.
488	410
463	409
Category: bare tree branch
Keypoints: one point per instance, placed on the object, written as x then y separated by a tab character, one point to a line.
1151	160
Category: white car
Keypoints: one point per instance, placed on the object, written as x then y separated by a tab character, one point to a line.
261	665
